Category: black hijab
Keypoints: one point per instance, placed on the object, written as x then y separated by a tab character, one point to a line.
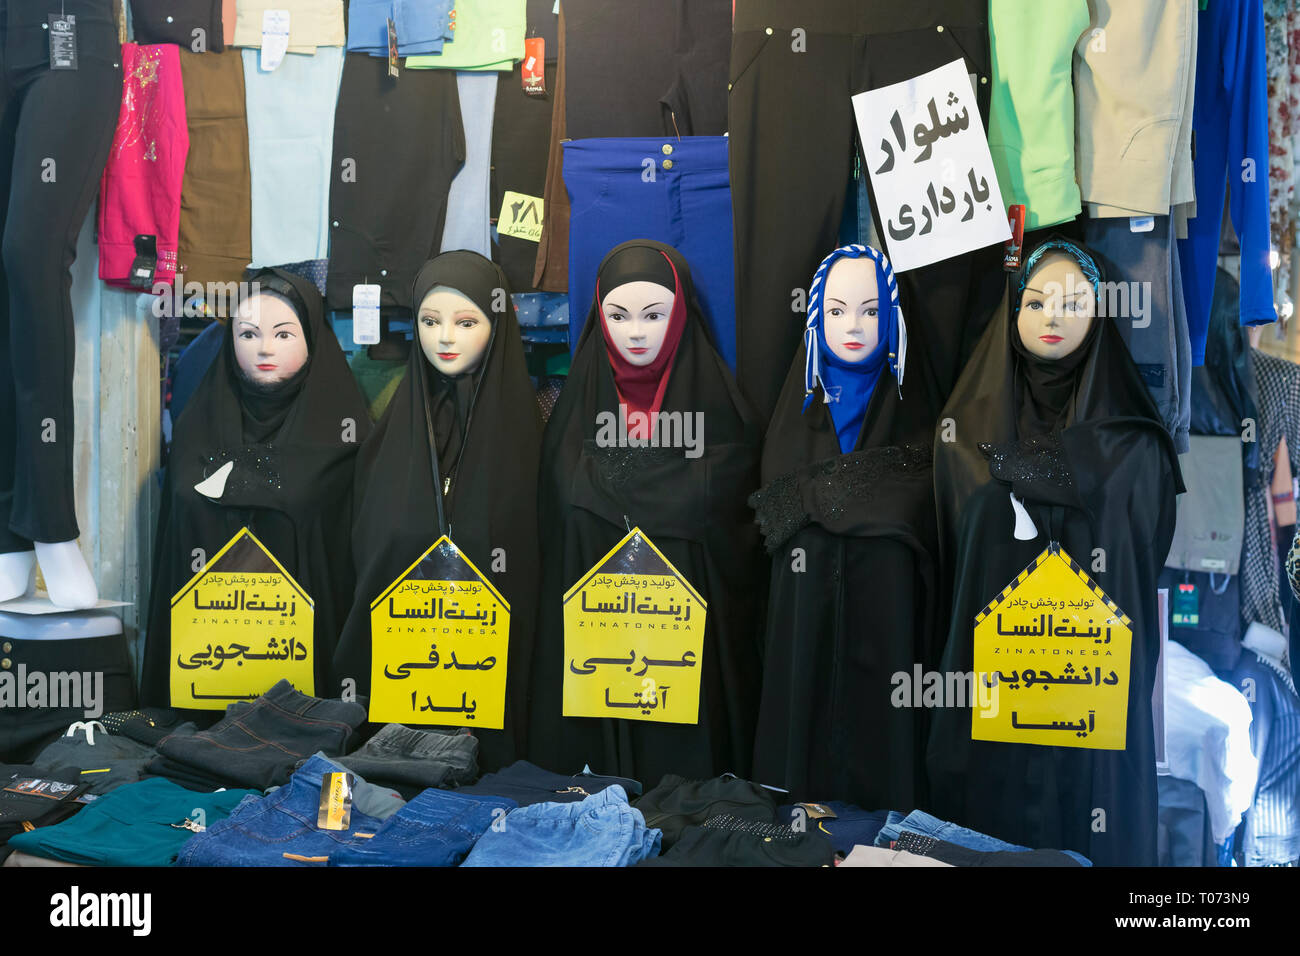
481	433
1045	386
265	407
292	449
1102	481
693	509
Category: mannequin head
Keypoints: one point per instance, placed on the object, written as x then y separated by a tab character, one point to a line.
454	332
1057	307
851	310
270	344
636	315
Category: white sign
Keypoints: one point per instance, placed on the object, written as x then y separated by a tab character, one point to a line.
930	168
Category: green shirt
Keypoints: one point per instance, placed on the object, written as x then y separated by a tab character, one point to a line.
489	35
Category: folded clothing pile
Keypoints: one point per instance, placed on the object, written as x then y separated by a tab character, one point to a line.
602	829
411	760
258	743
138	824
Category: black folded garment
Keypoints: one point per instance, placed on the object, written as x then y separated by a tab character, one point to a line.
947	852
527	783
732	841
148	725
32	798
411	761
258	743
103	765
678	803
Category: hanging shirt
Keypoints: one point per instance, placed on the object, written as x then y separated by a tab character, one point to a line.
1031	114
1230	127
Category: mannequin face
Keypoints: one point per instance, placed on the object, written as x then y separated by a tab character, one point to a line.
454	332
1056	309
637	316
270	346
851	309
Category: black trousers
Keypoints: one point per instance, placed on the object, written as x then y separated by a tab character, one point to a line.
398	143
794	68
55	133
646	67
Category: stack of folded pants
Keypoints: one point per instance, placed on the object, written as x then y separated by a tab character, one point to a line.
844	824
678	803
946	852
258	743
103	762
921	823
726	840
437	828
601	830
527	783
282	829
139	824
413	760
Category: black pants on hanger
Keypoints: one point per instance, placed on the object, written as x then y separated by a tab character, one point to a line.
55	133
794	67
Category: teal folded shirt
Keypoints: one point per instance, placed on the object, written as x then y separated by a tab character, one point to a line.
132	826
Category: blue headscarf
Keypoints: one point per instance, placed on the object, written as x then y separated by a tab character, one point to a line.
848	386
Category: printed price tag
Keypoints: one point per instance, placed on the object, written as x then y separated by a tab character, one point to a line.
63	41
275	38
365	314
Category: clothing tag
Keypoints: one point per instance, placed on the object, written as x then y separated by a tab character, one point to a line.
392	48
365	314
817	811
520	216
335	801
63	41
1025	529
534	66
557	7
1214	564
145	262
36	787
1141	223
275	38
1187	606
1011	249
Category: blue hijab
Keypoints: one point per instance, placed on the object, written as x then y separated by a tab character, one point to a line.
847	387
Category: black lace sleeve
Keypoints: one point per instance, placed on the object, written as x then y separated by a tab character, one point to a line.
779	511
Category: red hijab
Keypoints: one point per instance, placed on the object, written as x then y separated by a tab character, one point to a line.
642	387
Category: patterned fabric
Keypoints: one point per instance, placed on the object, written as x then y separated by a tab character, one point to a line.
1279	417
313	269
1282	45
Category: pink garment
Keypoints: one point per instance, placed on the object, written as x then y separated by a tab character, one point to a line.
140	192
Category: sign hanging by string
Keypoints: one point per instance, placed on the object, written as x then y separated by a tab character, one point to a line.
930	167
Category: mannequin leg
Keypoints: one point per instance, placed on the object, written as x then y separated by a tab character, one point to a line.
61	136
16	573
67	578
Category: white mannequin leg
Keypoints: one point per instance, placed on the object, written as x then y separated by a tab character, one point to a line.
16	573
67	578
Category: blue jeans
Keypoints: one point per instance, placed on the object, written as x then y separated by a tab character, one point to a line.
602	830
687	205
279	829
918	821
437	828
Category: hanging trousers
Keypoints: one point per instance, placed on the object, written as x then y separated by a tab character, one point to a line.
55	133
794	68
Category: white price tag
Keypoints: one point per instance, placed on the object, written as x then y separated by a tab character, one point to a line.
365	314
275	38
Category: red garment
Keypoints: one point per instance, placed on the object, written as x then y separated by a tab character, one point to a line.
140	192
641	387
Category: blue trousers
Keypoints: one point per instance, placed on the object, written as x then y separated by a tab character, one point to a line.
674	190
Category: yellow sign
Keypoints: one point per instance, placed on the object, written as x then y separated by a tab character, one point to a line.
438	638
633	638
238	627
521	216
1052	652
